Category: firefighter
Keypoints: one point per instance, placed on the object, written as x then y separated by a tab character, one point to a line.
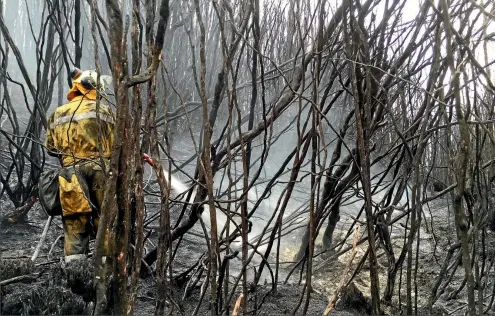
80	133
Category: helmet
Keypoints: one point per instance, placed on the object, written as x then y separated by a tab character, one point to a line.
85	83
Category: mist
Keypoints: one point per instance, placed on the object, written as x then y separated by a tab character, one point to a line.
318	149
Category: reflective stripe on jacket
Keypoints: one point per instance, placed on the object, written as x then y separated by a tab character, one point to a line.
78	131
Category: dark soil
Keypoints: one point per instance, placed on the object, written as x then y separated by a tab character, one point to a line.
281	303
68	290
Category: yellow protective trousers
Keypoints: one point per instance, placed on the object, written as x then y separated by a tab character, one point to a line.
81	196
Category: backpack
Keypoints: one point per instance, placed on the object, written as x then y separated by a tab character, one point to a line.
49	195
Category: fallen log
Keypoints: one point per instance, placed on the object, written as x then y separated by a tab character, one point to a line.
21	278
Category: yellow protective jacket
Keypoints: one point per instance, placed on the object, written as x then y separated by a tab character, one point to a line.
77	131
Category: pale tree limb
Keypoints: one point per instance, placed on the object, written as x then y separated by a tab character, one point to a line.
42	239
336	293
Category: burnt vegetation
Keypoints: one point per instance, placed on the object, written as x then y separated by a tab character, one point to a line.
339	154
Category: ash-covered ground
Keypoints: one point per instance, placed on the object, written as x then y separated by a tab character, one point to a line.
51	288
